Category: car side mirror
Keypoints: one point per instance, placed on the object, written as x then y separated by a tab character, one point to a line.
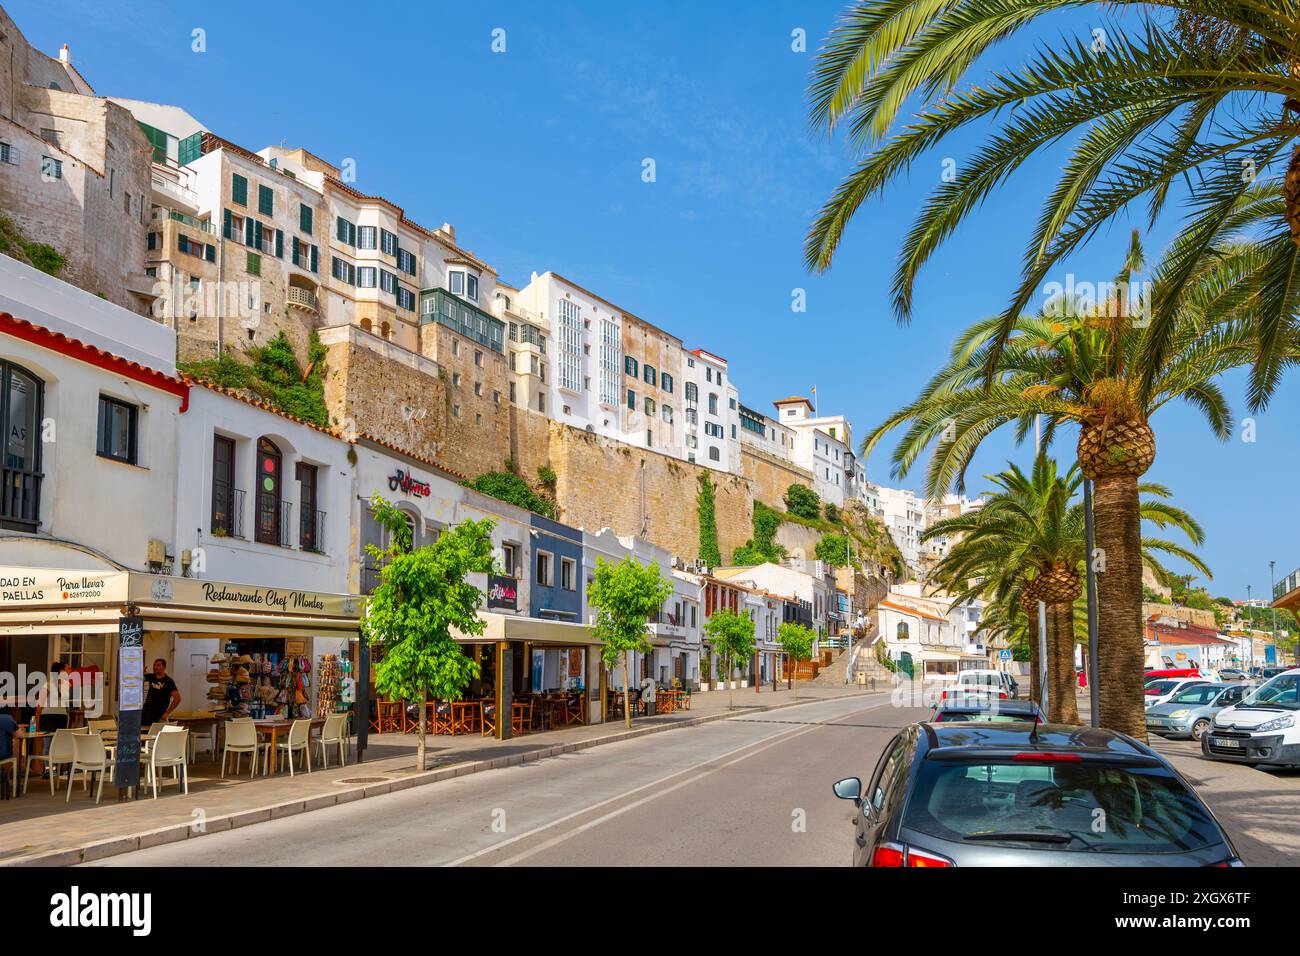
850	788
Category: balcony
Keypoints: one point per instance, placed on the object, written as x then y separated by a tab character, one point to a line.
439	305
20	499
300	298
311	533
514	311
175	192
1286	593
227	511
274	521
162	213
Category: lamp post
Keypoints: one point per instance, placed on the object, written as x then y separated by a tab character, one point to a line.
1272	589
1250	636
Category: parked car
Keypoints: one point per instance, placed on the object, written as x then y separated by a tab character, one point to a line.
1159	691
1262	729
1233	673
1016	794
1189	712
1175	672
979	682
985	708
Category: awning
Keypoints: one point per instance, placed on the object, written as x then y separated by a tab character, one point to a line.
512	627
53	601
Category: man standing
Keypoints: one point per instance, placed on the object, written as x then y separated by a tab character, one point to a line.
161	695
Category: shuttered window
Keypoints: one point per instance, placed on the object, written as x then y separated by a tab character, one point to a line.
239	189
266	200
304	218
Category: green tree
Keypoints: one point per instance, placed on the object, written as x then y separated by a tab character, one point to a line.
731	636
507	486
422	602
797	642
710	555
833	549
803	502
626	594
1195	109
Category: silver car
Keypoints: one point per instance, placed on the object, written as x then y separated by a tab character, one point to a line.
1189	712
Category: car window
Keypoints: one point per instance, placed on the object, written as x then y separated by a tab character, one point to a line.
983	716
1230	696
1196	694
875	795
895	777
1281	691
1095	807
1162	686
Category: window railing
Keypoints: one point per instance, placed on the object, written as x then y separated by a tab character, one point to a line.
303	298
20	497
311	534
227	510
1287	585
176	190
274	520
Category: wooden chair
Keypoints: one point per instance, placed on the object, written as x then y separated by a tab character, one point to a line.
440	717
392	717
573	710
521	716
489	718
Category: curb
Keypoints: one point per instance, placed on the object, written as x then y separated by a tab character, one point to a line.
176	832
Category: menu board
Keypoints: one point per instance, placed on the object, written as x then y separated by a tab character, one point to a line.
130	696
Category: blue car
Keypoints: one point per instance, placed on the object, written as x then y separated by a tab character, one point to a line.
1189	713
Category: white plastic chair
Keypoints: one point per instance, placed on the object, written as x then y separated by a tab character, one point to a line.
88	756
241	738
334	733
169	749
299	734
59	755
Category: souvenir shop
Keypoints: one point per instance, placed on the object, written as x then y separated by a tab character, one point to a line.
231	648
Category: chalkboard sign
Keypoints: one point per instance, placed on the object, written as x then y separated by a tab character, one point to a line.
130	696
506	682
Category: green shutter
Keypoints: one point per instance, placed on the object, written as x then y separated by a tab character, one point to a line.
266	200
210	253
249	238
226	231
279	244
294	253
304	218
254	264
315	259
239	189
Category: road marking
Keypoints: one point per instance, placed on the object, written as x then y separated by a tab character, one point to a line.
769	742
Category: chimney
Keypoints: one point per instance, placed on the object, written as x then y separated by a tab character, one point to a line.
449	230
64	55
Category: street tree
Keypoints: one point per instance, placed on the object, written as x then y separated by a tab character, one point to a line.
422	601
626	595
731	636
797	642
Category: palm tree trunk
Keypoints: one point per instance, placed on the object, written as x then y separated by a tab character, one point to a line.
1291	193
1121	656
1061	677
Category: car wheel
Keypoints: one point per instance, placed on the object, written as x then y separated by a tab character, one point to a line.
1199	728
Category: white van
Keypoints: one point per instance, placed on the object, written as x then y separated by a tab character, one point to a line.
1263	728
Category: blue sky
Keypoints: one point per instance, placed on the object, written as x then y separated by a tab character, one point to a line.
536	156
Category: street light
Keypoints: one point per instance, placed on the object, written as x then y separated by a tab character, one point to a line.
1272	589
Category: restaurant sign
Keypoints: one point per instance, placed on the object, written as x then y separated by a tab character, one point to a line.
408	484
19	586
189	592
503	592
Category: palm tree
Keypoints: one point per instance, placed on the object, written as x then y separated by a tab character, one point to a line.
1081	370
1027	544
1201	91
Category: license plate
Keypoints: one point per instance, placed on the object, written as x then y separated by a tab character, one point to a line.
1227	742
1156	722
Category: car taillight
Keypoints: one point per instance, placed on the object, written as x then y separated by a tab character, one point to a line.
888	854
1048	758
1003	695
897	856
917	857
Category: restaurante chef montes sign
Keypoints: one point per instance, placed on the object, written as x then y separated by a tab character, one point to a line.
218	594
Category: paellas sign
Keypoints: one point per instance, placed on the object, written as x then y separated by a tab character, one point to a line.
408	484
39	586
188	592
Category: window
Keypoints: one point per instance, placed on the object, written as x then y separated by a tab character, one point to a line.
733	431
8	154
471	287
713	453
666	382
631	399
366	237
117	430
269	494
651	376
713	429
478	358
346	232
265	200
405	299
456	283
649	405
668	413
21	395
478	389
544	572
388	282
254	264
629	366
568	574
510	559
343	270
692	393
713	403
387	243
226	501
406	261
902	631
455	411
304	218
51	168
311	525
708	374
455	379
649	438
366	277
238	189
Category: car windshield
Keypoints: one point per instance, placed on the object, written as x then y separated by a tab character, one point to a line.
982	716
1201	694
992	680
1161	686
1070	806
1282	691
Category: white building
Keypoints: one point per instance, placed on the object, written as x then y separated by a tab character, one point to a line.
822	445
931	636
766	434
787	582
903	513
712	412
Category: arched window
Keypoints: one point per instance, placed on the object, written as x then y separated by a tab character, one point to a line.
21	398
365	325
902	631
269	490
385	330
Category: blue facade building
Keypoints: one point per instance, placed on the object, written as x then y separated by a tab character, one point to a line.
557	571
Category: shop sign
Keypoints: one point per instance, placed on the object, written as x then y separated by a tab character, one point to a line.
188	592
130	690
503	592
20	586
408	484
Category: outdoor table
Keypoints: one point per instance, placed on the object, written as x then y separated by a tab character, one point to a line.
23	736
274	725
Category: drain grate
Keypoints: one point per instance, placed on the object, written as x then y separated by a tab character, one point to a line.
363	780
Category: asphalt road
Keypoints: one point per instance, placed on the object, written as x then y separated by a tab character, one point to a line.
752	790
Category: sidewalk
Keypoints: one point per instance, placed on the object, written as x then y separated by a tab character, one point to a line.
37	829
